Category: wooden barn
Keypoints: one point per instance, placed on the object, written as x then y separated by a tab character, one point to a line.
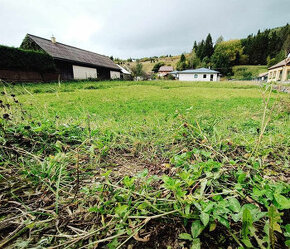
74	63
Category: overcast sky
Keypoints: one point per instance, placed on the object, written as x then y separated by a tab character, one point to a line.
137	28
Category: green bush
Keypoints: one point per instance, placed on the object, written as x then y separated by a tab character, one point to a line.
27	60
157	66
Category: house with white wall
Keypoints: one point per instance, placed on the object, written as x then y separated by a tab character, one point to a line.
125	73
200	74
280	71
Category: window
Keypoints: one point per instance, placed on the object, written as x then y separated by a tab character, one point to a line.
195	76
204	76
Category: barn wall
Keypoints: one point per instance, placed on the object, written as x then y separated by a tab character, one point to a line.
115	75
24	76
84	72
65	70
104	73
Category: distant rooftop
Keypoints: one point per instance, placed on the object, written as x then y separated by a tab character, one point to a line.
197	71
165	69
123	70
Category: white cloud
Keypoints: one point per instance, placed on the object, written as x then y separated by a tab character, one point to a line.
81	29
134	28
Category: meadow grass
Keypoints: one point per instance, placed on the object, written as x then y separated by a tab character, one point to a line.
146	111
253	70
155	164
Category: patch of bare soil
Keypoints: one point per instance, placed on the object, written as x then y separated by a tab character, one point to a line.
130	165
159	234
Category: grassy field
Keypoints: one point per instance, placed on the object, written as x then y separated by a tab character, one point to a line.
146	112
170	148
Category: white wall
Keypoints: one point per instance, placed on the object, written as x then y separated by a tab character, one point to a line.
115	75
190	77
81	73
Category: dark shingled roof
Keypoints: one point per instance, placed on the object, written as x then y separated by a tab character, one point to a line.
65	52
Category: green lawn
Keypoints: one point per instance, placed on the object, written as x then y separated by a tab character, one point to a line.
145	112
172	164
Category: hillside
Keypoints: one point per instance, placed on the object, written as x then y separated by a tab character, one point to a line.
246	72
230	57
148	64
239	72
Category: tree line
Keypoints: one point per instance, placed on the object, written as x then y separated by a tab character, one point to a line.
264	48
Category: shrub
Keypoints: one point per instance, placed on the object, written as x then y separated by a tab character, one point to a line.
37	91
170	77
27	60
157	66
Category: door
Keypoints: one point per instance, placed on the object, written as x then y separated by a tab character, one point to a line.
211	77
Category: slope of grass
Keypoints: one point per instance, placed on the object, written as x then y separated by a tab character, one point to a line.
148	65
240	72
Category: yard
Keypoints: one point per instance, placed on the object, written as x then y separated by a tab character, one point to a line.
155	164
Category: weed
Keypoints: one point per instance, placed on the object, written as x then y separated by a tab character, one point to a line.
212	173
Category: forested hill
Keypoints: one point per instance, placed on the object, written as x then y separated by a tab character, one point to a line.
263	48
267	47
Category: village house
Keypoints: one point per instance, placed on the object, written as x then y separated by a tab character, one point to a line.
74	63
200	74
125	74
280	71
164	71
263	76
174	74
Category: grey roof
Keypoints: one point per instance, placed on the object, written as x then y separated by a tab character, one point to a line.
263	74
65	52
197	71
123	70
281	63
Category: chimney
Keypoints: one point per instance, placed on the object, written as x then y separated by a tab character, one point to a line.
53	40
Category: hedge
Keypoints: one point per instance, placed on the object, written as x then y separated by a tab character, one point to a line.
26	60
